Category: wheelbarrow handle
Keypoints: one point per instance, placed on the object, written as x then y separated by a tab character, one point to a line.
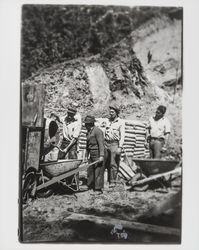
82	167
55	146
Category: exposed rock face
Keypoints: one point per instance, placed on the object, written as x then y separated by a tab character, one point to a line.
99	85
162	39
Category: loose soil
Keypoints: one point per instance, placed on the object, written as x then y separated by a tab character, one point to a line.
45	220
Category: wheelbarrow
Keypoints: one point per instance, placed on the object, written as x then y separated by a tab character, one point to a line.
138	172
153	170
62	172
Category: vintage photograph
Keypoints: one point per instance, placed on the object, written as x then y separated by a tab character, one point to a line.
101	124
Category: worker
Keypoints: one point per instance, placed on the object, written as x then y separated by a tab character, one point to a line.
96	151
114	140
159	129
71	131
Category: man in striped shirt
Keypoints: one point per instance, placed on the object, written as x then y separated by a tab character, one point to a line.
114	140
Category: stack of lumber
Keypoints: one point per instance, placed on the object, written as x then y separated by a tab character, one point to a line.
134	141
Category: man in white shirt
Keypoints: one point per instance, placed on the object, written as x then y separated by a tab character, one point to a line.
71	130
159	131
114	140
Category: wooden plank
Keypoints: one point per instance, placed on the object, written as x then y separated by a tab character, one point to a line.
84	131
33	98
140	139
132	145
82	142
129	145
137	226
82	135
140	145
141	133
139	150
127	131
133	142
131	136
33	150
135	123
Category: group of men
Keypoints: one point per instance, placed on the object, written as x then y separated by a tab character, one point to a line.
105	147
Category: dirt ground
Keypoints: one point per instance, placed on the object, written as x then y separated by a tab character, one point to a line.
45	219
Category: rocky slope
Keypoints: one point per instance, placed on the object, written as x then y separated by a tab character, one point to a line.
138	73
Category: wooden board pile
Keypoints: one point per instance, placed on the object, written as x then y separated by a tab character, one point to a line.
134	142
135	139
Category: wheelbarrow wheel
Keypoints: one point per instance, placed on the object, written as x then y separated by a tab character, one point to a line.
141	187
44	192
29	187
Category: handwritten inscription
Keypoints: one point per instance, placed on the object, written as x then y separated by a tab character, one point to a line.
119	232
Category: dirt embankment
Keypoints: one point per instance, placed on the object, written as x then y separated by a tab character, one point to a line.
138	73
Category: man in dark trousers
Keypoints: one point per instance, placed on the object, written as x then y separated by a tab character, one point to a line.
95	149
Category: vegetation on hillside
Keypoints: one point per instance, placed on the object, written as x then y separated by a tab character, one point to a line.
56	33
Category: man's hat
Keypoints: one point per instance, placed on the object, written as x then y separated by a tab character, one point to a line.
55	115
72	111
114	107
89	119
162	109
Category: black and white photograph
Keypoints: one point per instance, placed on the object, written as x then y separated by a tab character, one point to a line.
101	124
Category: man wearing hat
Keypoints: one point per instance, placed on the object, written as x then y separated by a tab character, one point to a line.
71	131
96	150
114	140
159	130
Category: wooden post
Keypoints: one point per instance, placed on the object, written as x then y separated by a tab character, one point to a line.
33	119
126	224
